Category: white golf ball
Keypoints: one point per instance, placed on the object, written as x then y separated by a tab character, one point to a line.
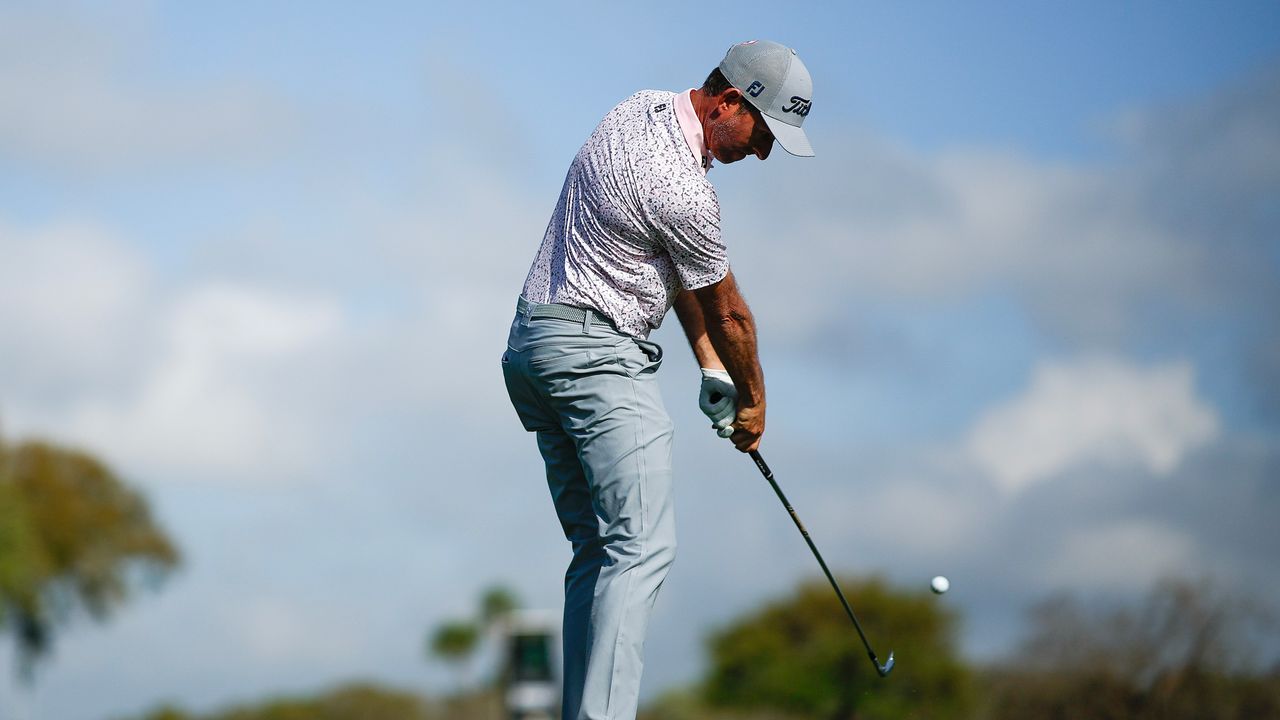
940	584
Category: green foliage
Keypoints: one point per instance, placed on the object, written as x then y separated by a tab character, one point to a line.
360	702
72	535
22	563
802	656
496	603
454	641
689	704
168	712
352	702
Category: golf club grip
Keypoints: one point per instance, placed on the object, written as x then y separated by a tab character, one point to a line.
882	670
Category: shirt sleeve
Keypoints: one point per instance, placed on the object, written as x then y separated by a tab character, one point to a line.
687	222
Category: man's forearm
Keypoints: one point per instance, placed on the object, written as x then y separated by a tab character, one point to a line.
689	311
732	334
727	326
727	343
720	326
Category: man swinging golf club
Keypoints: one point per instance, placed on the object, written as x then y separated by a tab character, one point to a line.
635	232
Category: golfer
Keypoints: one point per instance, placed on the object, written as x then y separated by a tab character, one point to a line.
635	232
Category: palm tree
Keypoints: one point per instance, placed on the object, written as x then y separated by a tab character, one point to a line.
496	604
455	642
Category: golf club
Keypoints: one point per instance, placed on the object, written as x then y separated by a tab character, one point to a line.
884	669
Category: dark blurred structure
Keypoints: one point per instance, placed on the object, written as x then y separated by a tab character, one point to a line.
531	688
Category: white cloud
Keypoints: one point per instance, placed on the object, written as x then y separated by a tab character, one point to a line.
218	399
213	379
71	297
1127	556
1067	239
1096	410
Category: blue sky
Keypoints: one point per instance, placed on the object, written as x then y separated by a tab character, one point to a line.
1015	316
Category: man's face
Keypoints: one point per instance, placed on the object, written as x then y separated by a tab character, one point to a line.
737	130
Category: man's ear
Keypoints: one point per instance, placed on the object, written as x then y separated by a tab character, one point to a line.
728	102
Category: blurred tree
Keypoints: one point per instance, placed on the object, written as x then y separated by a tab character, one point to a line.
455	642
168	712
496	603
1184	651
352	702
689	704
72	535
22	564
802	656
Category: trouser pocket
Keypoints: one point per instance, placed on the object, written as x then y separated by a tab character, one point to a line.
639	357
525	397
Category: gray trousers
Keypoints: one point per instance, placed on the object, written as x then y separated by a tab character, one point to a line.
591	395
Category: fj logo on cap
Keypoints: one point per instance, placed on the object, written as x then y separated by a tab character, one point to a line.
799	106
756	88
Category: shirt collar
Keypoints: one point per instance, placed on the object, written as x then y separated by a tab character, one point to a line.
692	130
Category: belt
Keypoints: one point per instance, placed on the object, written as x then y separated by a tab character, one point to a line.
557	311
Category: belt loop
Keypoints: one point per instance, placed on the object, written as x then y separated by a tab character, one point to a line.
526	311
586	321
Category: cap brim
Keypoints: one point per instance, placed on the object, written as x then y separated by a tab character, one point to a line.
791	138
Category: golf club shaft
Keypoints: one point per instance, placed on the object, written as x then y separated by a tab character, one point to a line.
768	475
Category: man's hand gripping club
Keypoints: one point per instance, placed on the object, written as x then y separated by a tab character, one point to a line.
719	400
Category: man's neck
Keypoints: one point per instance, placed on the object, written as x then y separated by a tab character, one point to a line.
703	104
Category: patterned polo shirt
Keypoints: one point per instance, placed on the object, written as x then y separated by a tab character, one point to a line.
637	219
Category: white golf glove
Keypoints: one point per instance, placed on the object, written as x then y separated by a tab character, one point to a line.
718	384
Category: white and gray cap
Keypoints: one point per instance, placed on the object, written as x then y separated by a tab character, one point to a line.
773	79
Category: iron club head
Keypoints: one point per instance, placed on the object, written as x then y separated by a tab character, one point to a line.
886	667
